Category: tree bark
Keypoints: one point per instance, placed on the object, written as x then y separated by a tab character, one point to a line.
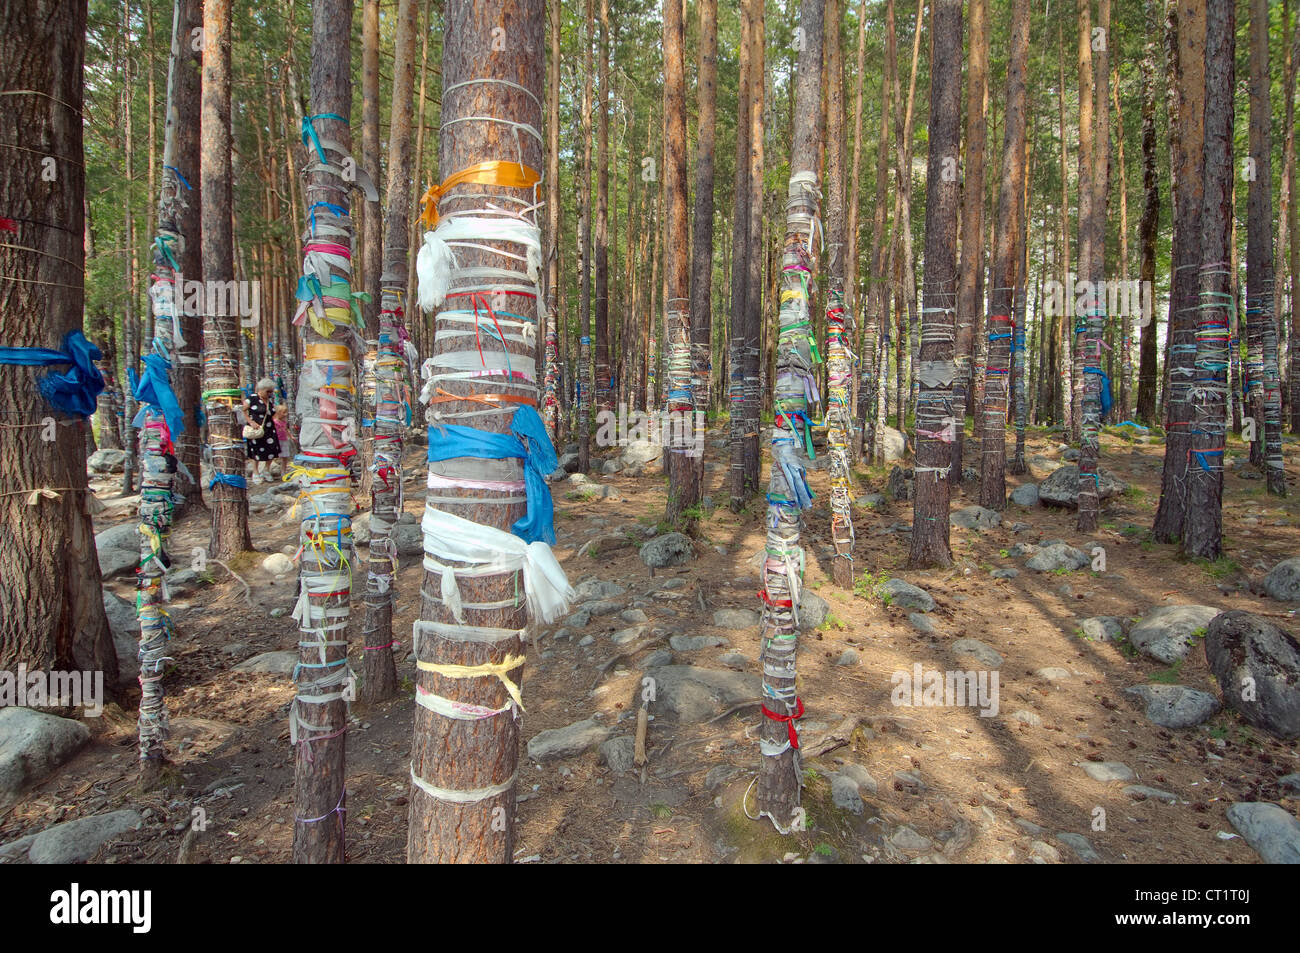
602	389
553	387
1006	265
1187	20
780	777
392	370
702	230
1203	527
52	600
465	751
221	337
585	372
936	416
1148	374
740	256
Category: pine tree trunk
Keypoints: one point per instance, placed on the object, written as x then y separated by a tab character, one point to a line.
702	230
875	337
1203	528
839	366
602	389
1006	265
585	373
393	370
1187	21
470	638
1260	320
553	387
53	614
1091	339
371	250
753	352
780	777
937	417
858	322
741	253
1148	374
327	410
972	224
221	337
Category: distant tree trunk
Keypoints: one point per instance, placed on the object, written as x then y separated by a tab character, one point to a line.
480	579
1203	528
683	479
602	389
371	251
130	319
906	274
702	231
1260	321
1064	366
875	334
1091	356
936	415
553	386
839	365
1019	365
1148	372
1011	191
738	328
754	324
858	323
585	372
1187	22
780	777
392	367
1293	216
1123	405
1086	197
53	602
221	337
972	224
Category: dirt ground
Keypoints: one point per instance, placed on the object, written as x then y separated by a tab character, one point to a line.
975	789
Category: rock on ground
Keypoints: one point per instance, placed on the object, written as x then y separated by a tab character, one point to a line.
1108	771
736	619
1025	495
641	454
898	488
1283	580
1102	628
693	694
845	794
893	443
1175	706
270	663
975	517
119	549
1057	556
813	610
75	842
1272	832
567	741
1240	646
671	549
693	643
1165	633
107	461
903	593
617	754
125	627
1061	488
32	744
590	589
984	654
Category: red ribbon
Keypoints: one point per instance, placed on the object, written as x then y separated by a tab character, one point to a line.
789	720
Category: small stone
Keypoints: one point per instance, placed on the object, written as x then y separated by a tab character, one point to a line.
1175	706
1053	673
903	593
1140	792
845	794
633	616
578	620
270	663
75	842
1102	628
976	518
736	619
567	741
624	636
1166	633
1106	771
1046	851
585	641
617	753
693	643
734	660
984	654
1025	495
922	623
671	549
1028	718
907	839
1272	832
1079	844
860	776
1005	573
848	657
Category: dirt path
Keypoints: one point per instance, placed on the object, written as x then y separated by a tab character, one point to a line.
949	784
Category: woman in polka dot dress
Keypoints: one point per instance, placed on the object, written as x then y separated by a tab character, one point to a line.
262	450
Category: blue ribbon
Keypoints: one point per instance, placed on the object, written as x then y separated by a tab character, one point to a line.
155	391
73	392
309	131
228	479
179	176
338	210
528	441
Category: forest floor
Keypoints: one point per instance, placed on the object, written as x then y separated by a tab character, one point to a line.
951	785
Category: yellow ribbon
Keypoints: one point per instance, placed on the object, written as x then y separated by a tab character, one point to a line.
497	670
512	175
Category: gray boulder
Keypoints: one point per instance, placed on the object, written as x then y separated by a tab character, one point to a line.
75	842
813	610
1283	580
903	593
894	444
590	589
693	643
1058	556
899	487
119	549
976	517
1102	628
1025	495
735	619
568	463
567	741
270	663
618	754
671	549
125	627
1258	668
845	794
1175	706
641	454
32	744
986	655
1165	633
693	694
107	461
1272	832
1061	488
